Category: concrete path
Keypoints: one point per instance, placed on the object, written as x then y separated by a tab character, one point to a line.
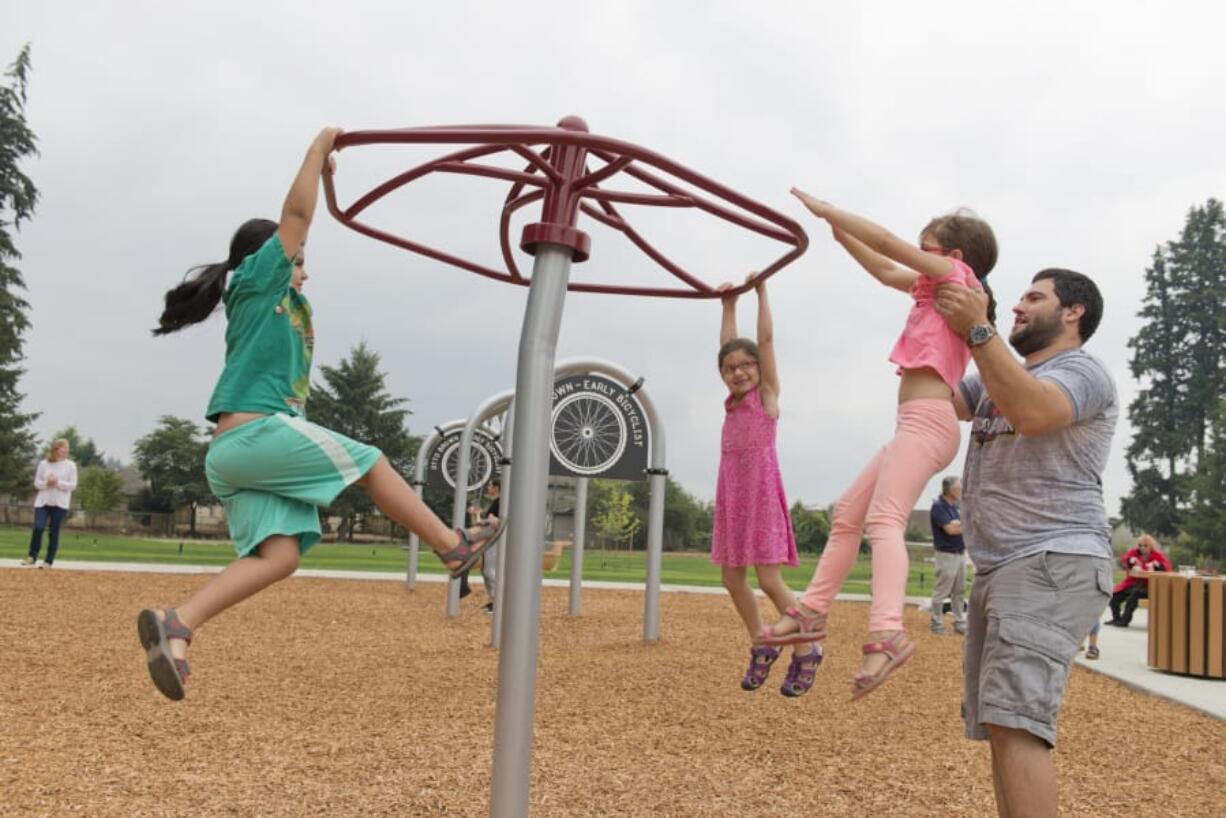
1124	656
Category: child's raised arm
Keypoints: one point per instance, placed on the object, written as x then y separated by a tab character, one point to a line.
768	371
877	265
299	207
727	324
877	239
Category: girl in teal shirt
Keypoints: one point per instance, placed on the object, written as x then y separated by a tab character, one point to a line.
270	467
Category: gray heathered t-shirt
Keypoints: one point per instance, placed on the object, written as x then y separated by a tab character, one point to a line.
1022	495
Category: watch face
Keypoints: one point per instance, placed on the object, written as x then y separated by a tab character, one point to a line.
979	334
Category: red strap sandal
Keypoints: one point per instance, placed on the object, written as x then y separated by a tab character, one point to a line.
898	649
169	674
812	628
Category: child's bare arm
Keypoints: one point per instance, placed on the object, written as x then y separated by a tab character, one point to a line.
727	324
877	265
299	207
768	371
878	239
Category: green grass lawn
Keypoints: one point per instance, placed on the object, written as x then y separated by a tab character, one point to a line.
616	566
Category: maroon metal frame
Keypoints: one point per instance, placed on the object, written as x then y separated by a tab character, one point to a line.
559	176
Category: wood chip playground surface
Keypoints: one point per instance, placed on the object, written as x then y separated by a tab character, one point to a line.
335	697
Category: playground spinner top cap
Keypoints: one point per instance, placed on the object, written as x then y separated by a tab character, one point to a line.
559	175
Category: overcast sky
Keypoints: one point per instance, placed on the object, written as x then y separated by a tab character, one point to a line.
1082	132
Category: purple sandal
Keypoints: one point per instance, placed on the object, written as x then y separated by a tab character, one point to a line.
760	661
168	673
801	671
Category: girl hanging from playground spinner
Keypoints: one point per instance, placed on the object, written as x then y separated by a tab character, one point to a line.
752	525
931	358
272	469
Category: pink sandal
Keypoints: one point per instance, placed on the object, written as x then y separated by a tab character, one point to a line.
812	629
898	648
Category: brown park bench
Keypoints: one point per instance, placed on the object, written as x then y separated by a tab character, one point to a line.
1187	624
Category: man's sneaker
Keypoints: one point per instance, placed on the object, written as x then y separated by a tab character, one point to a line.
960	628
27	562
937	628
44	564
488	607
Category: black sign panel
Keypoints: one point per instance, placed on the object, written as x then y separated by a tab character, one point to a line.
597	429
484	460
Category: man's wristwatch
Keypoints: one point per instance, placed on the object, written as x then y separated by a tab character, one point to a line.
980	334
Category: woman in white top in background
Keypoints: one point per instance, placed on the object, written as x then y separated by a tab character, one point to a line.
55	479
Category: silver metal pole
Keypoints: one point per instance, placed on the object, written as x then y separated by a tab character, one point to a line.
419	477
576	551
457	517
500	576
516	706
655	557
655	519
459	498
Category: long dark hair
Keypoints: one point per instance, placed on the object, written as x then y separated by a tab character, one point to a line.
963	230
195	299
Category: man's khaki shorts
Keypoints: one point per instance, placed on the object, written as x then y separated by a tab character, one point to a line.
1025	621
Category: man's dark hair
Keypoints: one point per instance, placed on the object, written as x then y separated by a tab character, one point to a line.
1074	288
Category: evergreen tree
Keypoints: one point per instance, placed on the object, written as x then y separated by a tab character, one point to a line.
1205	518
18	197
1178	358
354	401
171	458
83	451
1199	261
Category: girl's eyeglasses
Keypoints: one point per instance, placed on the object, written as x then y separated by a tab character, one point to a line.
745	365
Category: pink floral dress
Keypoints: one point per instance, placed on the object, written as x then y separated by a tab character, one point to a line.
752	524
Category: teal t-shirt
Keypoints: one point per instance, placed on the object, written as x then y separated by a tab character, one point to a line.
269	340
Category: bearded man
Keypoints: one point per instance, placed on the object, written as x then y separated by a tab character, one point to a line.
1033	519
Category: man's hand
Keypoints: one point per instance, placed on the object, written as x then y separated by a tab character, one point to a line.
962	307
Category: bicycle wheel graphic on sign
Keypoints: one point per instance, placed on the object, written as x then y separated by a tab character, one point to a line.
588	433
480	465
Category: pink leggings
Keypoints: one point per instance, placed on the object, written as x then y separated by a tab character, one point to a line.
926	438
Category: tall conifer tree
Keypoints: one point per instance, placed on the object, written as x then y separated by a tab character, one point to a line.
18	197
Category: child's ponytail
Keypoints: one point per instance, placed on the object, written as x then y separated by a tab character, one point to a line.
195	299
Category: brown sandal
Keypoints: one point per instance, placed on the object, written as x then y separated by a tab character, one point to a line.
472	545
169	674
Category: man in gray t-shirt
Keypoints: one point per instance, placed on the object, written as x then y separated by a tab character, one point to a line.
1033	519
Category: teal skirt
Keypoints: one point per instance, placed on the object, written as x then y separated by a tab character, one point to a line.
273	475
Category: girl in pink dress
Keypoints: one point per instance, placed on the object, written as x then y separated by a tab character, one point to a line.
931	358
752	525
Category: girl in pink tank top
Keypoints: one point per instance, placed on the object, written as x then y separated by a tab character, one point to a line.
752	525
955	249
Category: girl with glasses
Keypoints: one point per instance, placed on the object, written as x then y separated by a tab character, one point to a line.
752	526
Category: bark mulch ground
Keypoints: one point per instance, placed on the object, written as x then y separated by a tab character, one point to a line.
331	697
